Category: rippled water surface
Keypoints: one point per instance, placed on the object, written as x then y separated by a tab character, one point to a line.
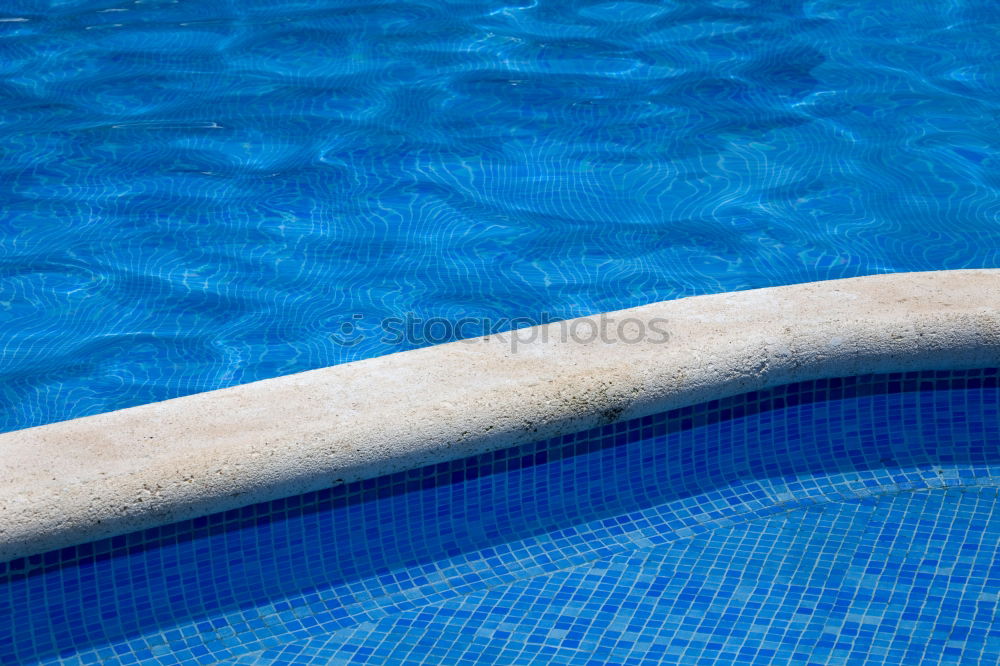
197	194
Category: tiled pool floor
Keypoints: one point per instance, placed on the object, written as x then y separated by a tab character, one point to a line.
828	522
903	578
909	578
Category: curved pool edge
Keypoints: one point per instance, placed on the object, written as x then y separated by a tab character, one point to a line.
105	475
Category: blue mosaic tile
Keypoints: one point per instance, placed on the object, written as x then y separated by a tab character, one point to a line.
843	520
702	600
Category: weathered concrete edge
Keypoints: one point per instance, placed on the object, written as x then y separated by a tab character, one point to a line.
104	475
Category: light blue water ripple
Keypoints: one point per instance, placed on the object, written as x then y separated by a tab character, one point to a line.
196	195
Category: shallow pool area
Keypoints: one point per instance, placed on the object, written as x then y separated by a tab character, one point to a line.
844	520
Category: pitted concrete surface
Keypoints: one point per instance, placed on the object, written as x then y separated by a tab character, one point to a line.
108	474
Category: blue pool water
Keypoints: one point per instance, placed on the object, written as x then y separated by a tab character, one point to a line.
841	521
198	194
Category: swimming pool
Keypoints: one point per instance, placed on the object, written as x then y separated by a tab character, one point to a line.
844	520
198	194
729	495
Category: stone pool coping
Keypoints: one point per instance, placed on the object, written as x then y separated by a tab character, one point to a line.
104	475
